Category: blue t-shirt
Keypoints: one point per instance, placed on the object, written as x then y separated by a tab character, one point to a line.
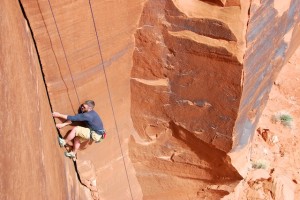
91	118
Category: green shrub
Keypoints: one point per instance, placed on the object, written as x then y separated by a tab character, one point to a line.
260	164
284	118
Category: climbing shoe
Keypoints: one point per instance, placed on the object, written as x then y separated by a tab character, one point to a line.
70	154
61	142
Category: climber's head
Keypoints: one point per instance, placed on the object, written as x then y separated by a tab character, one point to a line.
87	106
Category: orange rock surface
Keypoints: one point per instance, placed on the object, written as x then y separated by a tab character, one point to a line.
279	176
31	166
180	86
202	73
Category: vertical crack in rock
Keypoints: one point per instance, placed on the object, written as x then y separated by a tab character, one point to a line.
93	191
36	49
39	61
87	176
74	22
197	90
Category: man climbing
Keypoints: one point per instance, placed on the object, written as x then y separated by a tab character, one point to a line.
93	132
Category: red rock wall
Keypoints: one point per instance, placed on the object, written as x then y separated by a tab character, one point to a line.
180	61
272	37
178	89
186	88
31	165
202	73
67	44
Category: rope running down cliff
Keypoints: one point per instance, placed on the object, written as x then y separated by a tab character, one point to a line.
99	46
55	56
65	55
112	107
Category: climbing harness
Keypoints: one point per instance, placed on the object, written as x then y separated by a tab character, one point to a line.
102	133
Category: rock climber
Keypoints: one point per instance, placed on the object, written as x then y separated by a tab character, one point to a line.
93	132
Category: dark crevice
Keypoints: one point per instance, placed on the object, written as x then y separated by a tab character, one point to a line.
36	49
43	75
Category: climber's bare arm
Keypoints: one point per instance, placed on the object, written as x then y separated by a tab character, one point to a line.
61	125
59	115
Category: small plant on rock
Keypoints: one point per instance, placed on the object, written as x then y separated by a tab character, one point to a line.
284	118
260	164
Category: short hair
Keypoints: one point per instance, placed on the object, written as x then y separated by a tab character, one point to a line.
90	103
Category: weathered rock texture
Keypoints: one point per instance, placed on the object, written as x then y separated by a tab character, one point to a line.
72	64
186	50
272	36
30	165
201	77
179	84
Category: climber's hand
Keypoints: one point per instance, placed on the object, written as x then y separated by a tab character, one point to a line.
56	114
59	126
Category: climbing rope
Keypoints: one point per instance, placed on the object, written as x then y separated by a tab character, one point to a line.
56	60
109	94
65	55
106	79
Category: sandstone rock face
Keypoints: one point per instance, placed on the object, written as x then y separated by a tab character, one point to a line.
72	64
272	36
202	73
183	54
30	166
179	84
186	50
